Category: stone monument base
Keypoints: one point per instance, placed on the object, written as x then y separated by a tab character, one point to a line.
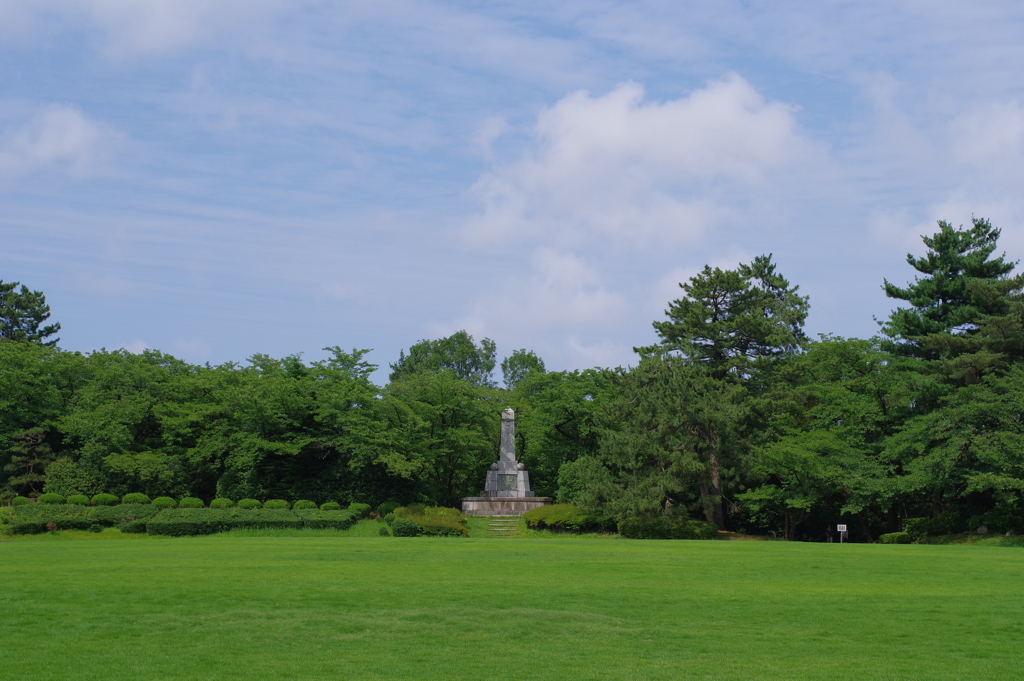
501	505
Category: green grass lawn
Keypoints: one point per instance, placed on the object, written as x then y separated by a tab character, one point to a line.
365	607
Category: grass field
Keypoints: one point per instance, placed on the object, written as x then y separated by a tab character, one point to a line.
323	606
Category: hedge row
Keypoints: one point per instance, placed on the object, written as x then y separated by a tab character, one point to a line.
173	522
53	499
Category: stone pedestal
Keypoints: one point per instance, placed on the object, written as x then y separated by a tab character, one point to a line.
507	488
501	505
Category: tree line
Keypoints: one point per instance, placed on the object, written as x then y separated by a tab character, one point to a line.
735	415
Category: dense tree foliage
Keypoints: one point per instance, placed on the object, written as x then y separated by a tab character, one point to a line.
734	417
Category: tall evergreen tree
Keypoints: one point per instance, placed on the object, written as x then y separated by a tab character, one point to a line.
944	301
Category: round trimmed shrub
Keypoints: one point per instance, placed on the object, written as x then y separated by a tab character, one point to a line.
275	503
330	506
416	509
359	510
164	502
389	518
250	503
221	503
96	527
78	500
303	504
383	531
20	501
51	498
104	500
191	502
403	527
895	538
387	507
135	498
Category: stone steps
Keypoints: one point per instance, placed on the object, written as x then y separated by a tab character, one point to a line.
502	526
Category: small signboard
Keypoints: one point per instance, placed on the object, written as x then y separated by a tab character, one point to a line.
840	528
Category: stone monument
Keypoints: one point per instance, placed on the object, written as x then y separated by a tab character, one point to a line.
507	489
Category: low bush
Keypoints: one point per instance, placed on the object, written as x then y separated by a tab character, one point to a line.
415	509
20	501
196	521
387	507
303	504
384	531
221	503
96	527
250	503
191	502
665	526
389	518
164	502
275	503
104	500
360	510
78	500
330	506
51	498
28	526
135	498
895	538
403	527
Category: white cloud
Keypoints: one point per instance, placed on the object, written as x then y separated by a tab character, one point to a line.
136	347
58	136
618	167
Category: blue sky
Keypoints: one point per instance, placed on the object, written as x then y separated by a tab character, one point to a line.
218	179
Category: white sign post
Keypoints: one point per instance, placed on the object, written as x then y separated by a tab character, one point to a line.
841	529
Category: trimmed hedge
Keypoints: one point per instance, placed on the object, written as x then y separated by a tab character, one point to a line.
249	503
895	538
360	510
275	503
663	526
125	513
135	498
104	500
314	519
221	503
78	500
190	522
51	498
565	518
20	501
437	521
303	504
164	502
330	506
191	502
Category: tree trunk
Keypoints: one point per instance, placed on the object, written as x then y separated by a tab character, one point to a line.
718	516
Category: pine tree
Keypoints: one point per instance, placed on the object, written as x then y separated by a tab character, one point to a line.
21	314
944	300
